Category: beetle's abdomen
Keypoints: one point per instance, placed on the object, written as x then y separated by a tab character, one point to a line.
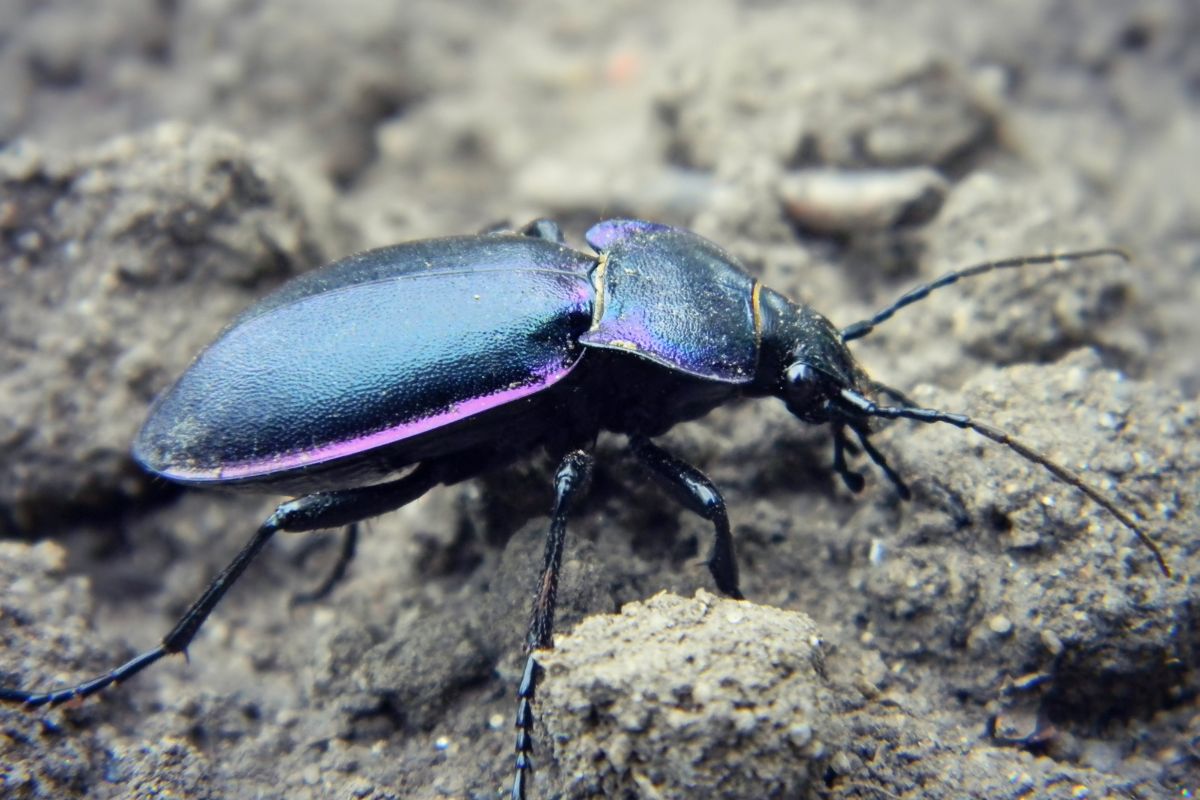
337	373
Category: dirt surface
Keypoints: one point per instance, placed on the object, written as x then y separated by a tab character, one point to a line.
999	636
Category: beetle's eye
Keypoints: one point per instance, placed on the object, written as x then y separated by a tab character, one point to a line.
800	373
803	383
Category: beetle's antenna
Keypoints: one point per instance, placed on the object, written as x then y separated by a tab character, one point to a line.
871	409
862	328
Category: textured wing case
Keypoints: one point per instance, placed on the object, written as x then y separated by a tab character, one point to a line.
370	351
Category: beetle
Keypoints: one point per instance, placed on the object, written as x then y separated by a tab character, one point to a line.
360	386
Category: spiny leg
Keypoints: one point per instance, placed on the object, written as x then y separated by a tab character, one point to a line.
570	482
345	556
311	512
174	642
696	492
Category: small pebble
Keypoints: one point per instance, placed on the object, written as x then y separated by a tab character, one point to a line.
1051	642
839	201
801	734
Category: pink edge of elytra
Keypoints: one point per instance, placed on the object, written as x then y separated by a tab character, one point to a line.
361	444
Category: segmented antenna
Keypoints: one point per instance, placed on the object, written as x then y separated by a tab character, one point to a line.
862	328
871	409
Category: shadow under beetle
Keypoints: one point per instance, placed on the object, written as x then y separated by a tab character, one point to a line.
450	357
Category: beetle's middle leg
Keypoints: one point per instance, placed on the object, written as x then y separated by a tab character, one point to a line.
697	493
570	482
308	513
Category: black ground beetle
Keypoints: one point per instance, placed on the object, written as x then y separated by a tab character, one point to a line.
450	357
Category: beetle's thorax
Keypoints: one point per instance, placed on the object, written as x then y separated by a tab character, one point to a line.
796	340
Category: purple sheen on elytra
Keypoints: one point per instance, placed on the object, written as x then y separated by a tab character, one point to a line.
362	444
322	376
634	337
602	235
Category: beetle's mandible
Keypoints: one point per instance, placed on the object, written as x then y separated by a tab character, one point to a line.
360	386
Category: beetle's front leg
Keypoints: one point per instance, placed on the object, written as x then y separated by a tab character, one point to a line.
854	480
311	512
697	493
902	490
570	482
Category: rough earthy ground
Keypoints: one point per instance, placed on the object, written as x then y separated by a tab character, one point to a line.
999	636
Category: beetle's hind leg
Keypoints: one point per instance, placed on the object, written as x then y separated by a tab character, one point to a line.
345	556
309	513
698	494
570	482
174	642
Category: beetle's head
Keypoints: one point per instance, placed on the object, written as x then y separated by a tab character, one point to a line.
804	361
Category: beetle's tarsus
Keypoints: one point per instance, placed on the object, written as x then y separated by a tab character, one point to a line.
523	765
31	700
